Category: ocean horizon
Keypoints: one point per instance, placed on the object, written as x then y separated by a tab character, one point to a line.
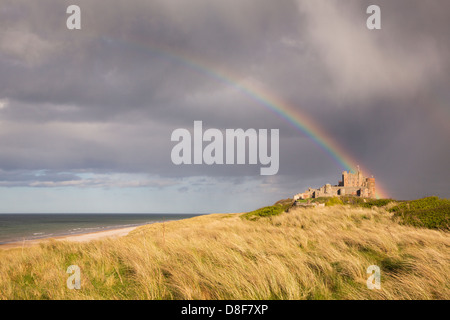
31	226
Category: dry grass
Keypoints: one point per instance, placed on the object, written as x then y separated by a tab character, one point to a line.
319	253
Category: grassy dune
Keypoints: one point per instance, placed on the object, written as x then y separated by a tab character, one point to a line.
314	253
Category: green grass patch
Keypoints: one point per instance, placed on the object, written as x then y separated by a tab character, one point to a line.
320	200
430	212
364	202
267	211
333	201
376	203
288	201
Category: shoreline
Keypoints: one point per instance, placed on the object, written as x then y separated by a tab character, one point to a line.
82	237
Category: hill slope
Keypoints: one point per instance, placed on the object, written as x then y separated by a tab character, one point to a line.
314	253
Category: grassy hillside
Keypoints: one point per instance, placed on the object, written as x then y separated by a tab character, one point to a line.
431	212
313	253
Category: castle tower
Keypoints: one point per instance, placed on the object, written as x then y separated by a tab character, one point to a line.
344	181
371	186
360	178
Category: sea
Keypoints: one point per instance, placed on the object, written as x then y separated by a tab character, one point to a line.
24	227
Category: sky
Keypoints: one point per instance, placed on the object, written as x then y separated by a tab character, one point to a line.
86	116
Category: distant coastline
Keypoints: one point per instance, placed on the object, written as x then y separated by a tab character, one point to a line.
32	228
81	237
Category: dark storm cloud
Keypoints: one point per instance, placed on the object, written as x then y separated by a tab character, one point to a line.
106	99
112	65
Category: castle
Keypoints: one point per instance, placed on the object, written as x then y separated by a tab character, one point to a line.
354	184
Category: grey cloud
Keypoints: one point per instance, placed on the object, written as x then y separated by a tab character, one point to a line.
364	64
105	99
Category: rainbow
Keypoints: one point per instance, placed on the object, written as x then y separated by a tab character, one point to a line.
263	97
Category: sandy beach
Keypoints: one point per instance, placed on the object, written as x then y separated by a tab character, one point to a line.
113	233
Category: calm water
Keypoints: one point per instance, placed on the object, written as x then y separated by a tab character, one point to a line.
19	227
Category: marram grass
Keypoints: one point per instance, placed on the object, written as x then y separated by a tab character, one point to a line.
314	253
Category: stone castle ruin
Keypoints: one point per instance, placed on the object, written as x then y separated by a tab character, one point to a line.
354	184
